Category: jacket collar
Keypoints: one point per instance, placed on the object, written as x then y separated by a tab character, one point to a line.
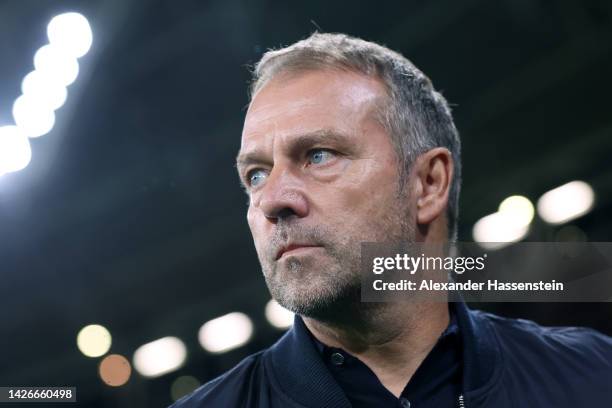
299	371
482	365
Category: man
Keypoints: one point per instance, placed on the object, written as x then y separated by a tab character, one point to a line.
345	142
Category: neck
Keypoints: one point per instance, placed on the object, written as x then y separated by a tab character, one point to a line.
392	339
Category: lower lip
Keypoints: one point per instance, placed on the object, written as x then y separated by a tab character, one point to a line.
298	251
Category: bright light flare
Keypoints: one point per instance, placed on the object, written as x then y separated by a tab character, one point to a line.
40	87
15	151
226	332
56	64
32	117
278	316
70	32
94	340
160	356
566	202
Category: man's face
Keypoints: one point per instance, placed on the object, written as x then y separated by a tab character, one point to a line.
322	177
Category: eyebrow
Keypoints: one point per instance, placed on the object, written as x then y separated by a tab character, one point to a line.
297	143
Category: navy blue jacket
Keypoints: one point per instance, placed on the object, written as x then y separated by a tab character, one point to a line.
506	363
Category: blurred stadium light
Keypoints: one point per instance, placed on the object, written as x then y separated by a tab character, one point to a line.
39	86
509	224
278	316
226	332
518	209
44	89
32	117
94	340
160	356
115	370
566	202
15	151
71	33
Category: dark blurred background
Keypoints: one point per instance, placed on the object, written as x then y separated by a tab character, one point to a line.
130	214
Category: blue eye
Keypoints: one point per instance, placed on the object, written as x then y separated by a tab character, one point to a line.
319	156
256	177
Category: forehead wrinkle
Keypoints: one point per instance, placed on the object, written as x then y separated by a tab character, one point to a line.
258	114
357	98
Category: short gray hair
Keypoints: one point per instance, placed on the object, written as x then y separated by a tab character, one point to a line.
415	115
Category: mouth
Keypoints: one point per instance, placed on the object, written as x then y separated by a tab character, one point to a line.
293	249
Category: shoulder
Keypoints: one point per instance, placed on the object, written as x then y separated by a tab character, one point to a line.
231	389
551	366
569	338
555	346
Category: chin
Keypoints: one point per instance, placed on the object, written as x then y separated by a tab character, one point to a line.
318	299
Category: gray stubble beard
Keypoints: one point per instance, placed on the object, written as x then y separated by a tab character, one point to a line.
333	293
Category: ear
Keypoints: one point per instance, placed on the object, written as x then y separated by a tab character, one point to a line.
433	171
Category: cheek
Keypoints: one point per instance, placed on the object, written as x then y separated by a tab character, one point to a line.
370	188
360	206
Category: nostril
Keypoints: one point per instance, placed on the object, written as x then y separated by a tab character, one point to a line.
286	213
283	213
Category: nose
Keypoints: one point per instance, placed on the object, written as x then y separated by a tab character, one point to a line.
282	196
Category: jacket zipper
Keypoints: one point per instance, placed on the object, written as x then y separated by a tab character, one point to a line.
461	401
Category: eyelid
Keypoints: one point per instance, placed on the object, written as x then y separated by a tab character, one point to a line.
325	149
317	149
247	175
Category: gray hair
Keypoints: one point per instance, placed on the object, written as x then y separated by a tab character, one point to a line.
414	114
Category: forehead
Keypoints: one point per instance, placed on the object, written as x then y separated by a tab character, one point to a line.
309	102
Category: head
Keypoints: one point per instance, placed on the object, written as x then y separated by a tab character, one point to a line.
344	142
